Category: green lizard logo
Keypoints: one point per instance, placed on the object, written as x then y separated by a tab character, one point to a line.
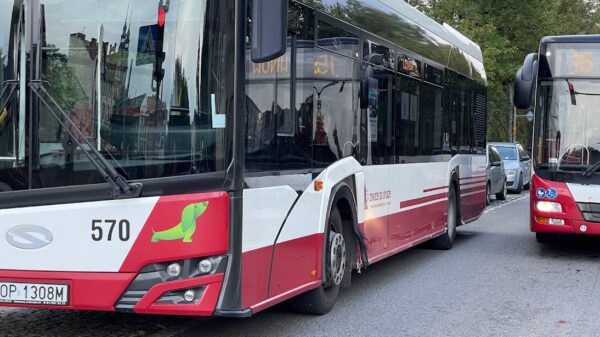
186	228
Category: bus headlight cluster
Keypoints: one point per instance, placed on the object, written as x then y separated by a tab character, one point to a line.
185	269
548	207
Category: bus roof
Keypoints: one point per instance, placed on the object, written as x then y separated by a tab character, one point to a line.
404	25
571	39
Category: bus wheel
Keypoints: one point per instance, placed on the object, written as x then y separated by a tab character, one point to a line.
446	240
320	301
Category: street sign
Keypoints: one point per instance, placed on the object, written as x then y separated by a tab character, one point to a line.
147	43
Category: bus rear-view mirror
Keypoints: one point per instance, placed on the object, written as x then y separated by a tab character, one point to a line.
524	82
269	29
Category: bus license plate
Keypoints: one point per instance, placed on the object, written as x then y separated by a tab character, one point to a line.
34	293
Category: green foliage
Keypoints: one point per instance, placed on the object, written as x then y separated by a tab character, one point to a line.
507	31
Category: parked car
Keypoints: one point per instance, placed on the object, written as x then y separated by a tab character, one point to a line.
496	177
517	166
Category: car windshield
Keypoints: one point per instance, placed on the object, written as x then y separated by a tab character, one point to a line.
507	152
570	137
150	91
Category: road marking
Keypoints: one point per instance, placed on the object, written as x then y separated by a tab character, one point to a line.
507	202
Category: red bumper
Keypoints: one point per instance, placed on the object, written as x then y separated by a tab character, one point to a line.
571	215
100	291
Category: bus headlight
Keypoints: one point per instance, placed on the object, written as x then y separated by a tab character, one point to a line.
548	207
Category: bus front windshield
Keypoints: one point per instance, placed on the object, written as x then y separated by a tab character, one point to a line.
148	84
568	138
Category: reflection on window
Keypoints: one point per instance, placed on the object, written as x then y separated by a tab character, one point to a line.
407	113
337	40
152	99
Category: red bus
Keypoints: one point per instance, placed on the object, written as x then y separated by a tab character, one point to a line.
218	157
563	81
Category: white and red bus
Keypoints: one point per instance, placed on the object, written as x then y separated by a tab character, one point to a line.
563	81
214	157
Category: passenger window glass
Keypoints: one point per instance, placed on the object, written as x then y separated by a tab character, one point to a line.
338	40
336	115
409	65
154	100
432	128
279	124
371	48
434	74
407	117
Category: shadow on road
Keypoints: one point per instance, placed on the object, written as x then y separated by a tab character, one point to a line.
571	246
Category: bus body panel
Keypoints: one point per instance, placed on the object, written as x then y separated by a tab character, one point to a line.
568	196
397	207
99	248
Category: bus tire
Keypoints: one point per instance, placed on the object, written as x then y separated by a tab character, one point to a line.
321	300
446	240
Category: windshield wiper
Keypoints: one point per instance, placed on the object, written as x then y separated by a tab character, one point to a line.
591	170
122	189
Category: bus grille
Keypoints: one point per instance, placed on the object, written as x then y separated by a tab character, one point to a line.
591	212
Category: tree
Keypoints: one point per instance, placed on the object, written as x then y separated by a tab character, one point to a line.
507	31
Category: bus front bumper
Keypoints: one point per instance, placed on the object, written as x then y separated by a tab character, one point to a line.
110	291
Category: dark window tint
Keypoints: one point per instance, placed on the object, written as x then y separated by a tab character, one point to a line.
432	126
407	110
434	74
380	117
461	114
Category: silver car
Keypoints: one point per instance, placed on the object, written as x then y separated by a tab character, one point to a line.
496	177
517	166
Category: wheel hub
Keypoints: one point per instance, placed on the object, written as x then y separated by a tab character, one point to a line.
337	258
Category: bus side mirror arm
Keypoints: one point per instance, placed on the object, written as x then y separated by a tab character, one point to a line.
524	82
269	29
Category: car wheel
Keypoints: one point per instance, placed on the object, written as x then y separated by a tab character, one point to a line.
502	195
520	185
488	197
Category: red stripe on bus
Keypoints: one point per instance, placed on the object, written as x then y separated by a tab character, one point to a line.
423	200
435	189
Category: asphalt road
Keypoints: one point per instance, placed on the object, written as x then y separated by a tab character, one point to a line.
497	281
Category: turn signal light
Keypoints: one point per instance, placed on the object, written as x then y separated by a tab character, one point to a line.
550	221
319	185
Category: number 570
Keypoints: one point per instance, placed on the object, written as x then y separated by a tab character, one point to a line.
99	227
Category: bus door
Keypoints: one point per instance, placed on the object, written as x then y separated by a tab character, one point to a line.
12	99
